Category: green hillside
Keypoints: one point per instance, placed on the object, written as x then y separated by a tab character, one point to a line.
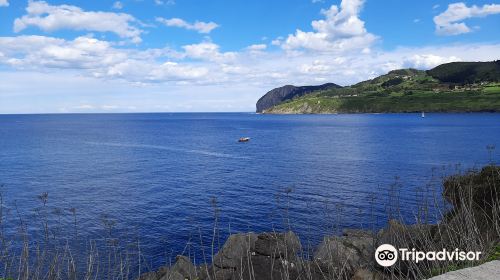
467	72
409	90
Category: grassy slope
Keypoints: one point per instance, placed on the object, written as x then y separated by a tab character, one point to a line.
406	90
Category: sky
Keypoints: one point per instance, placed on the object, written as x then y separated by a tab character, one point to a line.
220	55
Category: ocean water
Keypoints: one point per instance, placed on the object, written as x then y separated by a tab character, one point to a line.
162	176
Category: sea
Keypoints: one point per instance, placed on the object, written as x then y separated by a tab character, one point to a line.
172	182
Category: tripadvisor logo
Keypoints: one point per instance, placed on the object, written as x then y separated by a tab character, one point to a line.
387	255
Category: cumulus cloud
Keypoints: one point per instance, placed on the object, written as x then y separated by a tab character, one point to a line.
199	26
51	18
322	55
205	63
97	58
208	51
427	61
316	67
195	68
256	49
4	3
341	30
450	22
40	52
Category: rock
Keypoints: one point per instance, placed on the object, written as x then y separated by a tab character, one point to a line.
154	275
357	232
205	272
346	253
149	276
224	274
267	268
366	274
183	269
173	275
278	245
278	95
237	247
216	273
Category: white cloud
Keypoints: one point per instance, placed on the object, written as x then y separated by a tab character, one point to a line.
277	41
341	30
162	2
205	64
428	61
118	5
4	3
199	26
316	67
66	67
450	22
196	67
256	49
51	18
97	59
208	51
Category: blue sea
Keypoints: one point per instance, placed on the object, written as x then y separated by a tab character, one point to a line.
165	177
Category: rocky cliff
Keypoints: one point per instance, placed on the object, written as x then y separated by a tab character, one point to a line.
278	95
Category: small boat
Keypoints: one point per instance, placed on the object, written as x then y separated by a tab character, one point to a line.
423	115
244	139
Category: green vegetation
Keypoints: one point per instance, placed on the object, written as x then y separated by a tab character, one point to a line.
410	90
467	72
495	254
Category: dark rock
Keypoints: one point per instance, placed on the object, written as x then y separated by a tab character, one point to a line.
183	269
237	247
267	268
212	272
224	274
278	95
278	245
357	232
346	253
205	272
154	275
173	275
149	276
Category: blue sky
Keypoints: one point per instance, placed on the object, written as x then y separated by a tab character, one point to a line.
188	55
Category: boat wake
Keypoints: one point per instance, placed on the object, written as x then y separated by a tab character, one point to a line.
165	148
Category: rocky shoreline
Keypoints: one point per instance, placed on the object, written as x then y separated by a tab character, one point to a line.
271	255
472	224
